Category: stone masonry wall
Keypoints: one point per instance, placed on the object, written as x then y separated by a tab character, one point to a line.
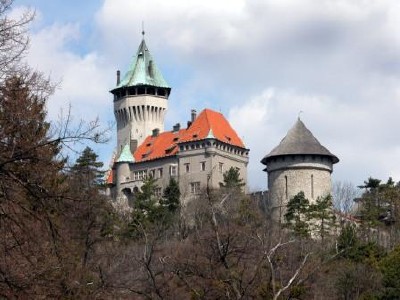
288	177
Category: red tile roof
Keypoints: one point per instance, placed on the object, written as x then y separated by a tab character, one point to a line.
166	143
110	176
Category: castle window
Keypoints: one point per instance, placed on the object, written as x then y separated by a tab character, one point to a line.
161	92
160	172
173	170
221	167
195	188
187	168
312	186
203	166
286	188
152	173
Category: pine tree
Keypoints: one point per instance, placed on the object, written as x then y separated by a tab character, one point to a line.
232	179
296	216
322	216
171	197
87	168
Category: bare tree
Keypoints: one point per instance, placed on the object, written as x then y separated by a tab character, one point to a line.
344	193
14	39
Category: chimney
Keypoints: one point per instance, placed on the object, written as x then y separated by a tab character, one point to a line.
118	77
176	127
156	132
193	114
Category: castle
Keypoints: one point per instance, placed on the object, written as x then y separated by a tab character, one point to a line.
298	163
196	155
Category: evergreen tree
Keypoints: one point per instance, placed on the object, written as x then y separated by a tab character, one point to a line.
147	210
322	216
296	216
232	179
87	169
171	197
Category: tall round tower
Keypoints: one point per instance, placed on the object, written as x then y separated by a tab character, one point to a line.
298	163
140	100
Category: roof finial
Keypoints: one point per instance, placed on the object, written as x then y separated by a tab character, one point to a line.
143	32
300	112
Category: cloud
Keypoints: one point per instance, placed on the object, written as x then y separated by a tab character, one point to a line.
346	129
83	79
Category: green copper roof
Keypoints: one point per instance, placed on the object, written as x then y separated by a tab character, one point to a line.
126	155
143	70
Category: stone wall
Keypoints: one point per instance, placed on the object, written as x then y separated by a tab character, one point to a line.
287	176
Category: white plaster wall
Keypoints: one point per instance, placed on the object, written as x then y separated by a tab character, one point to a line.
137	116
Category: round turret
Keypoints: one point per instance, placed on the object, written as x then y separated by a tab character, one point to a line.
298	163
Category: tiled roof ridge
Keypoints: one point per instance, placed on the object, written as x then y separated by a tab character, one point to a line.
201	127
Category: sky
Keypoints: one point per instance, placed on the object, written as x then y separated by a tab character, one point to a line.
259	62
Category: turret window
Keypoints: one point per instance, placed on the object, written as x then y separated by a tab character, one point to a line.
286	188
312	186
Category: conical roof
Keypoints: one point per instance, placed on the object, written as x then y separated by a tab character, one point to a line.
126	155
143	70
299	141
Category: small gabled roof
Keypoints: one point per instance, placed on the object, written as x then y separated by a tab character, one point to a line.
143	71
299	141
208	125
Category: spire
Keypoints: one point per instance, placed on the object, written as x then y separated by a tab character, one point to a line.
143	70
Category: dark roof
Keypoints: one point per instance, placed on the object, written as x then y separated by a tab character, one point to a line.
299	141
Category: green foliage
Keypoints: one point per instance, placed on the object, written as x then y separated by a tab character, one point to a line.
352	248
232	179
171	197
379	203
322	216
151	212
87	168
390	268
296	216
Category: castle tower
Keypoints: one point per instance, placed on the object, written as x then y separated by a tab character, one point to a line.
298	163
140	100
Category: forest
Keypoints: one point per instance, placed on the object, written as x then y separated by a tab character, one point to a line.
60	236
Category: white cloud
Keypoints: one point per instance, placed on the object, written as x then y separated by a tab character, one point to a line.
84	79
346	129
